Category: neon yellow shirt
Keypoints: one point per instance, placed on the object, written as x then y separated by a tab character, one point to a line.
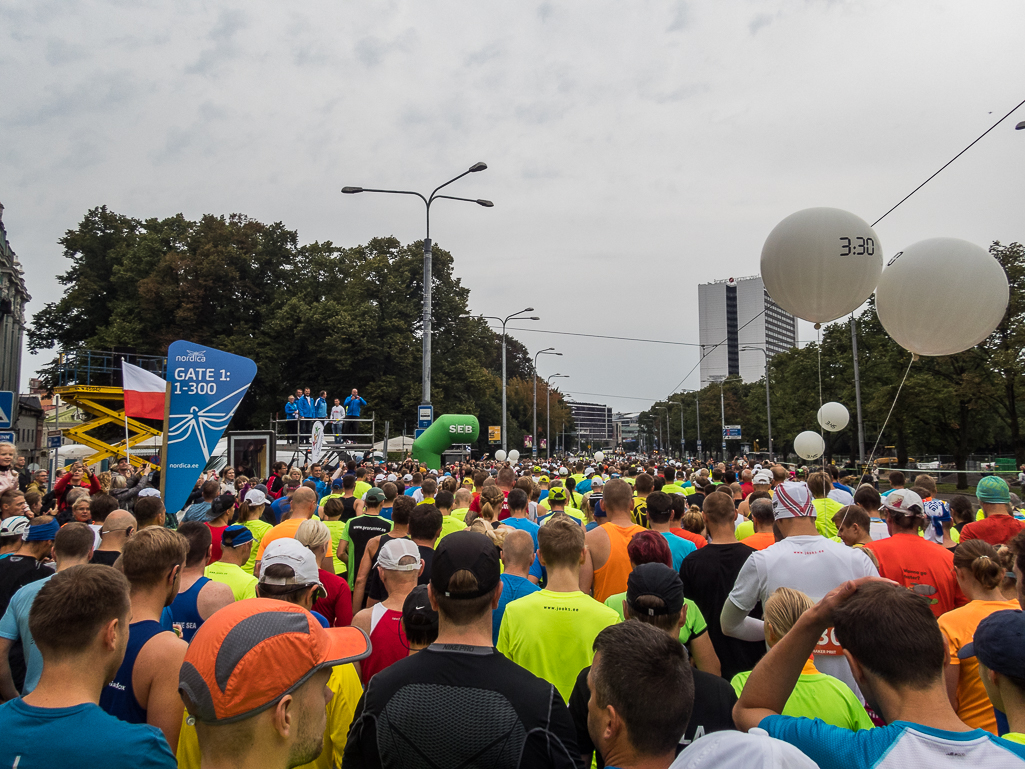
572	512
242	585
1015	737
672	488
259	528
337	529
693	625
825	509
459	514
362	487
744	530
449	525
344	683
551	634
817	695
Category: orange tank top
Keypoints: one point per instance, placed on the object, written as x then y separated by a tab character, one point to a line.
611	578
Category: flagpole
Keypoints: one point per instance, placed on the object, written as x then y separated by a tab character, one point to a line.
128	453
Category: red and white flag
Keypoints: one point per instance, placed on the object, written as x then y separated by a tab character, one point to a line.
144	392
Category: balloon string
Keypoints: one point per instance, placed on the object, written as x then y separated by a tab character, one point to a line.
892	406
822	434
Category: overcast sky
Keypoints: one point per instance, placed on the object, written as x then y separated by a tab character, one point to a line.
634	150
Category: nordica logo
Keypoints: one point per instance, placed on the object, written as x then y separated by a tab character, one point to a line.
194	356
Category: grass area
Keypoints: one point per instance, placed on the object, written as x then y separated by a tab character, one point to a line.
951	488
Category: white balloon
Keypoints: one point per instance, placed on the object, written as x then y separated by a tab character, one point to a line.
821	263
834	416
809	445
500	455
599	456
514	455
941	296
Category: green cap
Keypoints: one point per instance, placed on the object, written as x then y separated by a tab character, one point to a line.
994	489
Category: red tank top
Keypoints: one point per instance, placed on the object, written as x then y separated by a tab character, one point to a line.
387	641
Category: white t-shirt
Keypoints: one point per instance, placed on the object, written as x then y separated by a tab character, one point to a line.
814	565
337	413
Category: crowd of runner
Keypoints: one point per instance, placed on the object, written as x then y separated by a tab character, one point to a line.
636	612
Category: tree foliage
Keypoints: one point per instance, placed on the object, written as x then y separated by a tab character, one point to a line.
315	315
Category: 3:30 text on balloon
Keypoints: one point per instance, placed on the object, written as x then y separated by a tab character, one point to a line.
859	247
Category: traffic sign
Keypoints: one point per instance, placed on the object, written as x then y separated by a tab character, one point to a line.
7	436
418	432
54	442
731	432
6	409
425	416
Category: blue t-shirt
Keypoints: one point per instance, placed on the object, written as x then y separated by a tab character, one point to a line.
679	547
198	512
895	746
14	626
279	507
386	512
513	587
409	491
79	737
537	571
523	524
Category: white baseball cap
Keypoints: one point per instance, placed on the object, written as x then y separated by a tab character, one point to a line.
16	525
762	478
407	478
394	551
256	497
392	477
563	471
290	552
379	479
589	471
754	750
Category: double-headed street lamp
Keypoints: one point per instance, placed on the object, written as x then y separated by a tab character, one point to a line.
768	402
428	272
548	398
518	316
546	351
664	444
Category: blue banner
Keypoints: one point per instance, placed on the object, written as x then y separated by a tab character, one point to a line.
207	386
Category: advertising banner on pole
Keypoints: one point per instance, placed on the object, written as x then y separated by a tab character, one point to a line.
494	433
317	441
205	387
528	441
544	444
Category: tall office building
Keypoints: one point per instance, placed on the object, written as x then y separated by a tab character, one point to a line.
593	423
735	314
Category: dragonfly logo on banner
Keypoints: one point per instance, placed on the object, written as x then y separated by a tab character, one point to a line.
207	387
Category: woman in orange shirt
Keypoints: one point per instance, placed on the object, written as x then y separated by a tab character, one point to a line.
979	573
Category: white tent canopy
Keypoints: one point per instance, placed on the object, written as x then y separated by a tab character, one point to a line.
398	443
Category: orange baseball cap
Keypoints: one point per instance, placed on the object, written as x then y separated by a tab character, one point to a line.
252	653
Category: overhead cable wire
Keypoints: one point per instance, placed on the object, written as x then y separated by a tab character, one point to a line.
916	189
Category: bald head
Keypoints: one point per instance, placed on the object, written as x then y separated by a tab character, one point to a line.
518	550
304	502
117	527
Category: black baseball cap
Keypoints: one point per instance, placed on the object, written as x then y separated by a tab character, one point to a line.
999	643
655	579
465	551
417	611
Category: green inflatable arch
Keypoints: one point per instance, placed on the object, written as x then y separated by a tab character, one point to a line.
446	430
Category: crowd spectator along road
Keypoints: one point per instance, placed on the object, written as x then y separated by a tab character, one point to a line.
632	614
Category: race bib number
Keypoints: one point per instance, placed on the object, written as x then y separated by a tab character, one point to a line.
827	644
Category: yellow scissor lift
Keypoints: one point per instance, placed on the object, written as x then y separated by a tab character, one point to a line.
105	406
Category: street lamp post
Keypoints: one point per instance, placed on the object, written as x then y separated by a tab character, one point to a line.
428	270
546	351
666	409
504	321
722	410
768	402
548	399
